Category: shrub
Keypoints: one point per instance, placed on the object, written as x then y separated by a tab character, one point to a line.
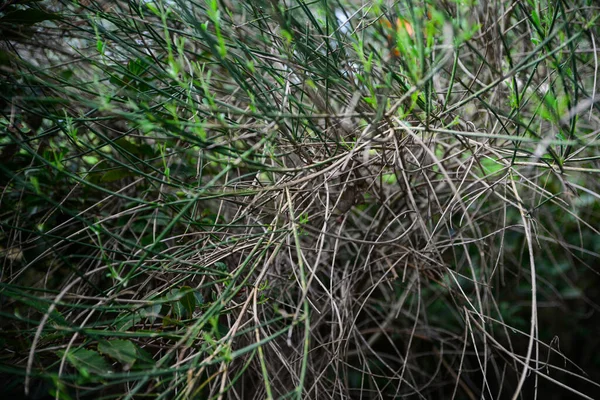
268	199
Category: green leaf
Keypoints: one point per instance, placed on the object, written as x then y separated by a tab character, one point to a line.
100	46
199	298
179	310
188	301
389	179
92	160
138	66
87	362
123	351
66	74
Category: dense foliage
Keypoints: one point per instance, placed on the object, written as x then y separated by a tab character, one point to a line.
308	199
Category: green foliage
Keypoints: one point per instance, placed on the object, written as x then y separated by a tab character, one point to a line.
171	174
90	365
